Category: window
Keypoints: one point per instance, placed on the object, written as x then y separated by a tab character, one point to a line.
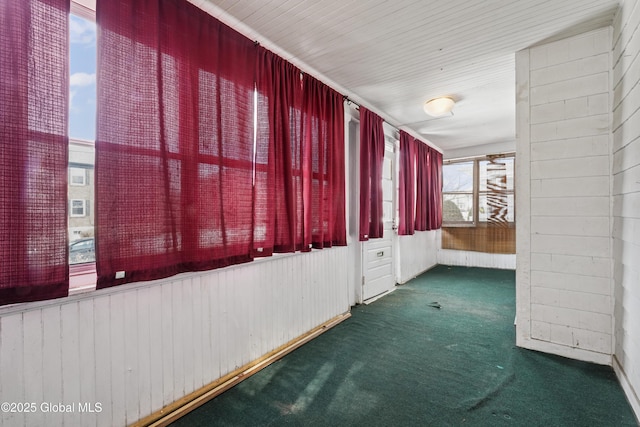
496	202
77	208
82	121
479	191
77	176
82	78
458	193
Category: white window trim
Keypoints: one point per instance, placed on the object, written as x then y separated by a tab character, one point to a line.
84	8
84	208
77	172
476	192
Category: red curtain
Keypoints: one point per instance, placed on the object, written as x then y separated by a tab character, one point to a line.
278	183
34	91
300	177
174	149
428	188
434	190
407	177
422	186
323	166
371	160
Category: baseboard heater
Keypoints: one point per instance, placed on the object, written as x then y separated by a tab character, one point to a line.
177	409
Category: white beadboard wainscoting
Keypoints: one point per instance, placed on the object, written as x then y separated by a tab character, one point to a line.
127	352
416	254
476	259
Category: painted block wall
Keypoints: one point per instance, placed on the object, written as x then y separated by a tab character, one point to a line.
626	197
564	246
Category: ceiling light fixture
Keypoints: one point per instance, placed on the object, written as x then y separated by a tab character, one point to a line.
438	107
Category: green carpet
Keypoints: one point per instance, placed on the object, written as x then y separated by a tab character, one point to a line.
402	361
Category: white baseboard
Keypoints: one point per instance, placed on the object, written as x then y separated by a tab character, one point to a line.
629	391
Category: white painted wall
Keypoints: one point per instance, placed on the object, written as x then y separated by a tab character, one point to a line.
626	198
476	259
564	274
139	347
480	150
417	254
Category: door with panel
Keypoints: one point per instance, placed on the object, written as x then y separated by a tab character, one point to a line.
378	268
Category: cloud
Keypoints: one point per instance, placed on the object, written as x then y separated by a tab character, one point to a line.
72	94
82	31
82	79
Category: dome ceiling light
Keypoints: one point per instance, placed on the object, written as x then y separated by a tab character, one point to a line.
438	107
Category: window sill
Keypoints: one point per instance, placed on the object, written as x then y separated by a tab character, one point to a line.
82	278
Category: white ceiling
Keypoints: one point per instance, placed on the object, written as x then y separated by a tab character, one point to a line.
392	55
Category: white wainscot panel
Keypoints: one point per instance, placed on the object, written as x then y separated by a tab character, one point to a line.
476	259
133	349
417	254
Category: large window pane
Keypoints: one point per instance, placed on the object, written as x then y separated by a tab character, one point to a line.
457	177
503	207
82	119
496	171
457	208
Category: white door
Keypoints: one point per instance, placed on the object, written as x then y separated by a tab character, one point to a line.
378	270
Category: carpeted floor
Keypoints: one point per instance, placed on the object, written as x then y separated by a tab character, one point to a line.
402	361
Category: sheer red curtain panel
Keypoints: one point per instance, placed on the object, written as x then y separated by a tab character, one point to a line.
371	160
34	91
323	166
278	182
422	186
434	192
407	177
300	169
174	149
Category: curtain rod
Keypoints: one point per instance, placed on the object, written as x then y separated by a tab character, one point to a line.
350	101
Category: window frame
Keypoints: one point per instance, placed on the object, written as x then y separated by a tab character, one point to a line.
84	208
473	193
82	276
79	172
476	192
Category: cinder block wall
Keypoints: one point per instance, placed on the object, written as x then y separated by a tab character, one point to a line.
626	197
565	276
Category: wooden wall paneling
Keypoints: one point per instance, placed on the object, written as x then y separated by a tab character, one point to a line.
132	373
102	360
145	356
53	384
33	369
70	359
12	355
153	299
141	347
215	333
500	240
117	357
190	343
179	340
87	359
168	395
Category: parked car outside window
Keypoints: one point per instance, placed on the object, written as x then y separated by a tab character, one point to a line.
82	251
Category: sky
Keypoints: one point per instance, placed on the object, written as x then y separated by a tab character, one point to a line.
82	83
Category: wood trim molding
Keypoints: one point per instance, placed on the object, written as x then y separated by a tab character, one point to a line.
181	407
